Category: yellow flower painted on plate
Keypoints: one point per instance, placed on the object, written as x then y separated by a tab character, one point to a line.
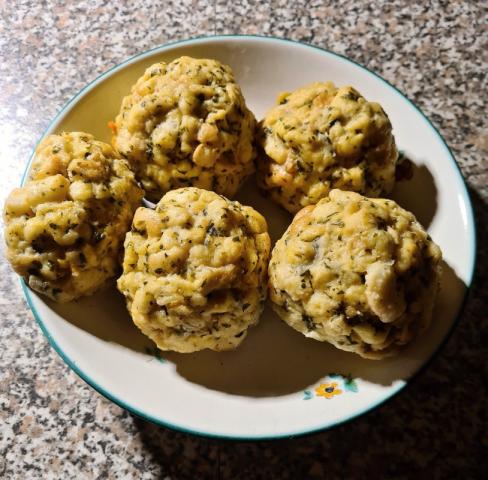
327	390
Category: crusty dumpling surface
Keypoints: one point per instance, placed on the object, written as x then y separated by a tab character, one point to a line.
360	273
185	123
65	227
195	270
321	137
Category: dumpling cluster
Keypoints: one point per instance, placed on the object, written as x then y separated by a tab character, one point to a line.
64	228
360	273
186	123
322	137
195	270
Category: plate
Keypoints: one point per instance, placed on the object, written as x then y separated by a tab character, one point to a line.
278	383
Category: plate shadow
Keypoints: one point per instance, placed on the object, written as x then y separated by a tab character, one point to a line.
274	359
418	195
105	316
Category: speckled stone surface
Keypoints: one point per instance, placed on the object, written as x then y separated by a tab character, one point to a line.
52	425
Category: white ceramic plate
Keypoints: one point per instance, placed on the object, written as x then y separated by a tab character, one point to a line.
278	383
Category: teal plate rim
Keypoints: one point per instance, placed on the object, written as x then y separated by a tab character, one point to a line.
134	410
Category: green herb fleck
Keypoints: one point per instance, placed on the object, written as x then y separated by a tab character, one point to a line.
309	323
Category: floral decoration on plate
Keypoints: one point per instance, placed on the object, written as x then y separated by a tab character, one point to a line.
334	384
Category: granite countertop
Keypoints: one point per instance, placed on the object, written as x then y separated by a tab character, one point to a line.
52	425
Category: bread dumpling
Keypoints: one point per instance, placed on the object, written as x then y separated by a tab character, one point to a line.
360	273
65	227
321	137
195	270
185	123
